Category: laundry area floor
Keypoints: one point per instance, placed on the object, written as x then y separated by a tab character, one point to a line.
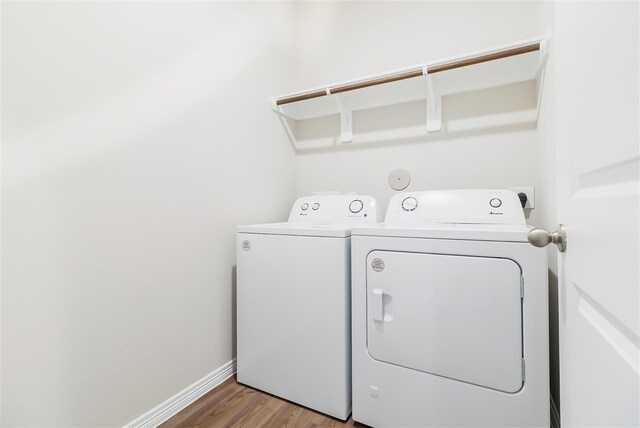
235	405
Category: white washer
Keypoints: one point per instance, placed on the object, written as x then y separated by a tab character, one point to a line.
450	324
294	302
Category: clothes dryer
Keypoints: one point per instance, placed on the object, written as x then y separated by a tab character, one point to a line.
450	315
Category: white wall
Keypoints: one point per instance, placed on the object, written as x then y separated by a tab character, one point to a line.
0	219
349	40
135	137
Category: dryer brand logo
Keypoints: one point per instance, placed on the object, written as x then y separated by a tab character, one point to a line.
495	213
246	245
377	265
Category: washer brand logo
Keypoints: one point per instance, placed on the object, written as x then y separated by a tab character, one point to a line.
377	265
495	213
246	245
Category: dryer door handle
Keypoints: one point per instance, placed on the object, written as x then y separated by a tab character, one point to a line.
377	305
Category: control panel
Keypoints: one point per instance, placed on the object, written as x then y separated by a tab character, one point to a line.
456	206
335	209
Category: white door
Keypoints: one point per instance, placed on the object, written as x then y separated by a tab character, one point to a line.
454	316
597	135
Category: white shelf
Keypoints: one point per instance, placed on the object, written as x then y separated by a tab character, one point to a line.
504	65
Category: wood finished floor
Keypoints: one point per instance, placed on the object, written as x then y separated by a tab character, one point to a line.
234	405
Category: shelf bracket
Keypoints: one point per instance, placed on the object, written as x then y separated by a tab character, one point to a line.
434	103
273	103
346	119
540	72
284	120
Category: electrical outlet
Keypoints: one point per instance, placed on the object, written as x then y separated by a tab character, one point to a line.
531	195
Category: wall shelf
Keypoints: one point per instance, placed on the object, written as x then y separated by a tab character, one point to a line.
504	65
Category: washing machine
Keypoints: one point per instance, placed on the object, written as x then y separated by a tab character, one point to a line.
449	315
294	302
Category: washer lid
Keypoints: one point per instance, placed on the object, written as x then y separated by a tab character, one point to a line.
467	232
329	230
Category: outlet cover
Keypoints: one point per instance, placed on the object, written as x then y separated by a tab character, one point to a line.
531	195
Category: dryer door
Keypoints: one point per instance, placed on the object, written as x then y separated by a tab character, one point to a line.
448	315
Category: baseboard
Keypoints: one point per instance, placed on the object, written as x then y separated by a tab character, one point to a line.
555	415
182	399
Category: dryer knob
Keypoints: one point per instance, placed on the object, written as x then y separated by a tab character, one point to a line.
409	204
304	206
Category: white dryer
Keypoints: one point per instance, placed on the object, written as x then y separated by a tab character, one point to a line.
450	324
294	302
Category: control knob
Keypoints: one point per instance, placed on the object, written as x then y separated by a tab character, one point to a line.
409	204
495	202
356	206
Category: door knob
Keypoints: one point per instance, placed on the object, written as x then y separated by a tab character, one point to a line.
541	238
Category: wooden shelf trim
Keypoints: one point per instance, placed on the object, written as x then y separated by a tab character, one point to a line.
417	72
